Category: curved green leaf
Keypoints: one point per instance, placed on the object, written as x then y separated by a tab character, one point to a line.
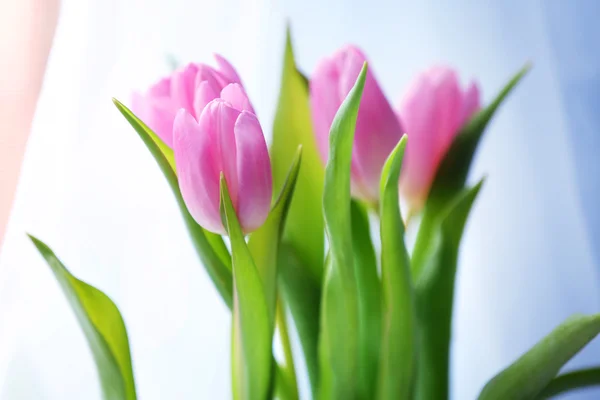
398	357
103	327
571	381
251	331
369	301
264	242
209	246
435	298
531	373
453	170
292	127
338	342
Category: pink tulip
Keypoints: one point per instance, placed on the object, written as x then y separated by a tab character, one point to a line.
378	128
434	110
227	138
191	88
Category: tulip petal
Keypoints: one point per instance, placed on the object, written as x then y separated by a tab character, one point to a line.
205	93
253	172
235	94
183	86
227	70
197	171
471	103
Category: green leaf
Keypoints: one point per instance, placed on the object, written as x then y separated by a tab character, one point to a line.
103	327
570	381
369	301
338	346
453	170
531	373
209	246
398	357
292	127
264	242
252	335
303	296
435	298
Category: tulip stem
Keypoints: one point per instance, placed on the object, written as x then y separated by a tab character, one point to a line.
288	367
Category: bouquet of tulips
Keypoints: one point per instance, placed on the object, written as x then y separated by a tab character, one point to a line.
285	233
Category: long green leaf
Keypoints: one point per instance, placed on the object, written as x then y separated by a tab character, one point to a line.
435	299
338	346
571	381
303	296
531	373
369	301
210	247
264	242
102	325
292	127
251	332
304	235
398	357
453	170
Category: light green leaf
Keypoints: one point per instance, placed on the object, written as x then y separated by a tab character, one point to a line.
103	327
369	301
398	357
453	170
531	373
292	127
303	296
264	242
304	235
338	342
435	298
210	247
571	381
252	335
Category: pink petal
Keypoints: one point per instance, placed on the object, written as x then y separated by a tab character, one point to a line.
183	87
235	95
471	103
253	171
197	172
218	119
227	70
205	93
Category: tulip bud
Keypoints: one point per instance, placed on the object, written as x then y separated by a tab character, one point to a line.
191	87
378	128
433	111
226	138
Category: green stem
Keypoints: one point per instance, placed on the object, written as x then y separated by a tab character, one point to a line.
288	368
571	381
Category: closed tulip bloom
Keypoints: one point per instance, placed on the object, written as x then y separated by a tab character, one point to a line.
228	138
378	128
434	110
191	87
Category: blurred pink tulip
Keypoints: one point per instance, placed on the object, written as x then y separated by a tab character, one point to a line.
433	111
191	87
378	128
226	138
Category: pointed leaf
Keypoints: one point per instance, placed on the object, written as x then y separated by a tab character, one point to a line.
210	247
102	325
398	357
369	301
570	381
251	332
264	242
527	377
338	346
435	298
292	127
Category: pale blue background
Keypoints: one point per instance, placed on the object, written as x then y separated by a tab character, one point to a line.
531	253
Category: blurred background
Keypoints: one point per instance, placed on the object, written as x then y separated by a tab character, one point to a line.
89	188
